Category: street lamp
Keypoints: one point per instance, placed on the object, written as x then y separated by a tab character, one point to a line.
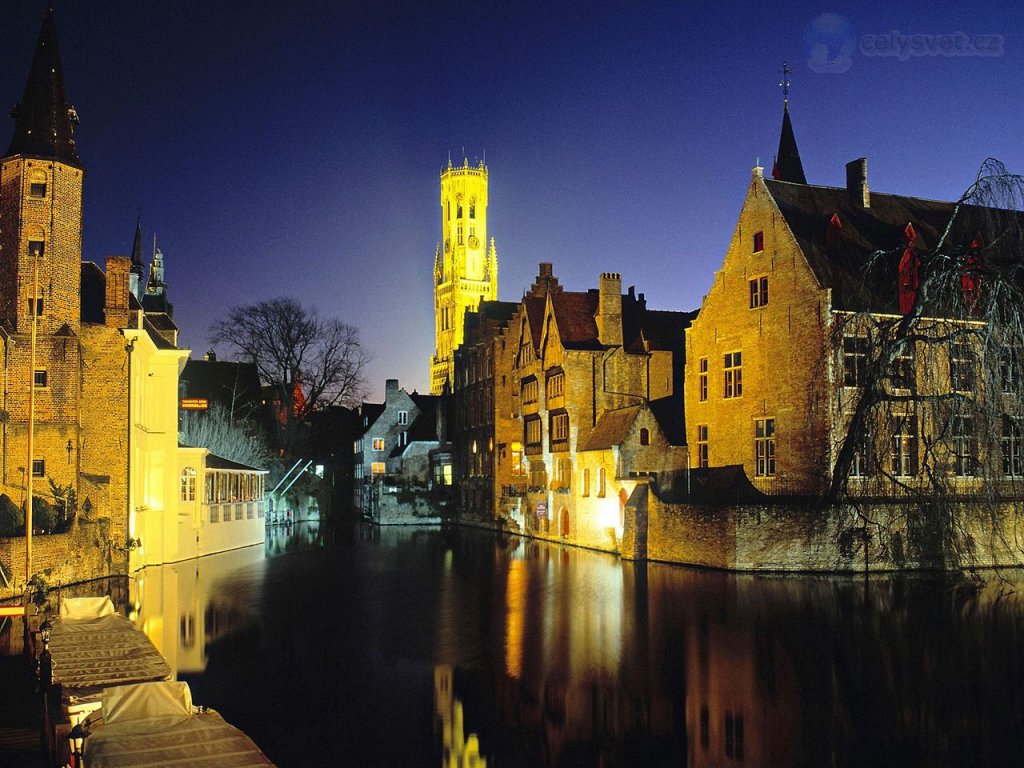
76	739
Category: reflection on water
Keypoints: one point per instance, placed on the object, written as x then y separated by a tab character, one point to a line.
391	645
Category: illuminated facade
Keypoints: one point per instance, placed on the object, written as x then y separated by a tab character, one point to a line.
102	388
465	264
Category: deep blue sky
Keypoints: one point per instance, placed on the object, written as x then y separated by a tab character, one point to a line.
294	147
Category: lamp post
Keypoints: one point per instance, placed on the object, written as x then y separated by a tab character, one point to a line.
76	740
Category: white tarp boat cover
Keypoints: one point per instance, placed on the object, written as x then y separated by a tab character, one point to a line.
155	724
93	647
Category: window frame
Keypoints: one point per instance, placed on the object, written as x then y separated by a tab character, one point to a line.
759	292
732	368
702	380
764	447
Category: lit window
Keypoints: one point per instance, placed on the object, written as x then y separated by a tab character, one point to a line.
855	360
403	418
903	455
39	379
377	468
556	385
188	484
38	468
733	374
758	242
964	446
758	292
533	432
703	379
378	443
702	446
645	436
559	427
764	447
1010	442
531	391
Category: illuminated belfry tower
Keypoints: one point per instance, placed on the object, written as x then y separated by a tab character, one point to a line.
465	263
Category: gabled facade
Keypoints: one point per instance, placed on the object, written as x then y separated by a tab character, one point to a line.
403	422
576	356
812	280
480	431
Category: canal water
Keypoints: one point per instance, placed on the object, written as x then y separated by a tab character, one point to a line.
390	646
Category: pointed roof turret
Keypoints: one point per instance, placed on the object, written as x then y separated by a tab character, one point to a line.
43	119
787	162
137	265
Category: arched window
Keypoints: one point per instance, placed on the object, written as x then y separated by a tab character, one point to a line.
472	207
188	484
458	208
645	436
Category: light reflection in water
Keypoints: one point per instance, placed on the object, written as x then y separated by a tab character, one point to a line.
560	656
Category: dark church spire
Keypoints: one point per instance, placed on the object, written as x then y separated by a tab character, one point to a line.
43	120
787	162
137	247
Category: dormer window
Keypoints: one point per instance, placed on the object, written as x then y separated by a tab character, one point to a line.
759	241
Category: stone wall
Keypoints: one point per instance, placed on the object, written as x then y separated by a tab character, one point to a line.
811	537
84	552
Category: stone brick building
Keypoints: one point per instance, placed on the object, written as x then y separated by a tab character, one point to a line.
81	359
776	358
401	451
573	358
480	432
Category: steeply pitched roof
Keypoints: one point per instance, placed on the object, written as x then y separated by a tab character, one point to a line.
838	255
611	428
787	162
574	313
43	119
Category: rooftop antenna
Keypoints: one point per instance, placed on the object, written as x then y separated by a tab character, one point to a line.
786	72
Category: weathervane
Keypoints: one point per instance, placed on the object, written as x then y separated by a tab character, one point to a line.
786	72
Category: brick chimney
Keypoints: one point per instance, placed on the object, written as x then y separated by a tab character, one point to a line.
857	182
609	309
545	282
115	306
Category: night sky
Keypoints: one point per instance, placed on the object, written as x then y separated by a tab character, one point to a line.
293	148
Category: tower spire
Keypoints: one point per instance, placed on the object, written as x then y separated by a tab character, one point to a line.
43	119
138	269
787	161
